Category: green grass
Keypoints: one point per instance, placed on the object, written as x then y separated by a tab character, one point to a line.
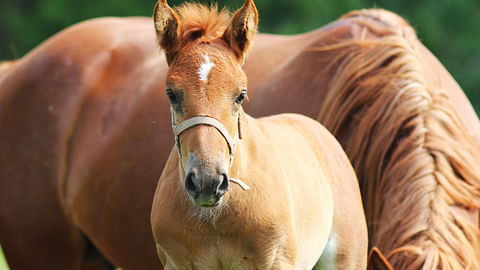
3	262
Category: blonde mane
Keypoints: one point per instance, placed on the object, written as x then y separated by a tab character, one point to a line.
201	21
413	156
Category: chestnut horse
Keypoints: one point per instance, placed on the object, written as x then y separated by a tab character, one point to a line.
300	206
85	133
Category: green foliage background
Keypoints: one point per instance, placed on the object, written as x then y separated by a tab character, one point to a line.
3	262
449	28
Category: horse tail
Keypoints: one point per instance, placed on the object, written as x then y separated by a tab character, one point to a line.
416	163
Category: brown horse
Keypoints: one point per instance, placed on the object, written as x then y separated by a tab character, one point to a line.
406	125
300	207
85	133
396	111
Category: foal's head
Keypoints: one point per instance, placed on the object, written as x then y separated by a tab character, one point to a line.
206	86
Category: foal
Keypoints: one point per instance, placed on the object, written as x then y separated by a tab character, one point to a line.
238	192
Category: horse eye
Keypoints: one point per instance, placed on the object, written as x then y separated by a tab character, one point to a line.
241	97
171	96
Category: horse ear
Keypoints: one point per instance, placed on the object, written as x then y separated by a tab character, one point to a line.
376	260
167	27
243	26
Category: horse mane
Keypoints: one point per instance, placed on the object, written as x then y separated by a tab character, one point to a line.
201	21
413	156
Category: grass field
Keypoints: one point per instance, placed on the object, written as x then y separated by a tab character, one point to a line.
3	262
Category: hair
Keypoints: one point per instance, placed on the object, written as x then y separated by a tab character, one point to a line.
201	21
413	156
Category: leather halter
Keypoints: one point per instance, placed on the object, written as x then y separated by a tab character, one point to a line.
210	121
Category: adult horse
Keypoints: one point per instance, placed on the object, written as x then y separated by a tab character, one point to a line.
302	208
406	125
85	133
409	131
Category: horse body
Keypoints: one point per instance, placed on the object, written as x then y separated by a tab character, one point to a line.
375	84
60	90
302	191
291	220
73	116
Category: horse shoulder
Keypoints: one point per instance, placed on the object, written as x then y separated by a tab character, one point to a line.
347	244
305	182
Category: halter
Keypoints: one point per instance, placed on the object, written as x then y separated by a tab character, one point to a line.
210	121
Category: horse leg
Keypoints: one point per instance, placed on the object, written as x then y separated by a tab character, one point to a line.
66	248
39	245
93	259
36	234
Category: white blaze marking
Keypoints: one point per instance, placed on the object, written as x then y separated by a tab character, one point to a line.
205	68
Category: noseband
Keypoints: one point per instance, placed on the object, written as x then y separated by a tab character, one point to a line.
210	121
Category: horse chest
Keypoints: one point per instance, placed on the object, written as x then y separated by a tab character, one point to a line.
219	252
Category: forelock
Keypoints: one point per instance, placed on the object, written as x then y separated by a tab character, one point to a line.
200	21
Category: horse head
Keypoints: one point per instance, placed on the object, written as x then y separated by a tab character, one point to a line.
206	87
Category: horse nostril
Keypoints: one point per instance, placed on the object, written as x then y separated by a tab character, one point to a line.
190	185
224	183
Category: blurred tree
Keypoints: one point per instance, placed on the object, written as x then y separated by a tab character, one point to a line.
449	28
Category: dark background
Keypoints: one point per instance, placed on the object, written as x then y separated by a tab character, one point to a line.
449	28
